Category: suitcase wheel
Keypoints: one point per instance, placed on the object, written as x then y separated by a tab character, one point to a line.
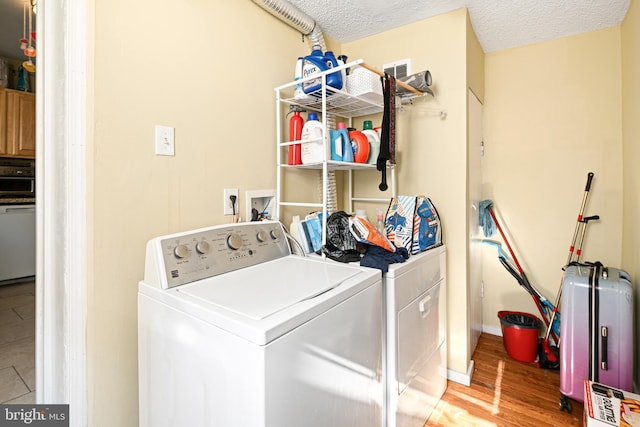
565	404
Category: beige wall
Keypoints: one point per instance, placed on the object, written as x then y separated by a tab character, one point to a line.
208	69
475	63
552	114
219	97
431	151
630	156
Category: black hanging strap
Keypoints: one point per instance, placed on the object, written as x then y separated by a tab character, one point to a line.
384	154
392	119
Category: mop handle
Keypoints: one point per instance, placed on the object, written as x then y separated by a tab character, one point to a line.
495	221
571	248
580	214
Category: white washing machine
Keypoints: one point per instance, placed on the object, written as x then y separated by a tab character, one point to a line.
415	303
235	331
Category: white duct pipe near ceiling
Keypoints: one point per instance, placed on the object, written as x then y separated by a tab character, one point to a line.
296	19
302	22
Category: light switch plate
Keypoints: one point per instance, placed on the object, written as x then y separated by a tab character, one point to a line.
165	141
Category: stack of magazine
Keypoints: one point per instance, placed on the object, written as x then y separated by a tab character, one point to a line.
310	231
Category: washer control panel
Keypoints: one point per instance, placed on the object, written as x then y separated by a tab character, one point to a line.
182	258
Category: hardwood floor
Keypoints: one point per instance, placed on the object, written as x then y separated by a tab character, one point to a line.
504	392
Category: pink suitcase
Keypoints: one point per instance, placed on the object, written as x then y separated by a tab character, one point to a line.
596	330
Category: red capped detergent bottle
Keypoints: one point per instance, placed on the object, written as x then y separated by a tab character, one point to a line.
360	144
295	134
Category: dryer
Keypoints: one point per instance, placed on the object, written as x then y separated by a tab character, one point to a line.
415	301
234	330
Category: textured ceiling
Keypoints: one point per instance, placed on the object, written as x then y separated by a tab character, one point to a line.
499	24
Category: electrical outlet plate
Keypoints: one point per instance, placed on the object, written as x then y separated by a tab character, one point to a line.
165	141
228	207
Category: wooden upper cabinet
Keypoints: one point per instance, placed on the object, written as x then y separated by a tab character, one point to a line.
18	127
3	122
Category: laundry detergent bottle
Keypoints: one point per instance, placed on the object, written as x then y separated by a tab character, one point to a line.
360	145
347	146
336	145
312	140
298	92
340	143
338	79
374	141
315	63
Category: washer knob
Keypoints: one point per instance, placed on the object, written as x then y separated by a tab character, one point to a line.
180	251
275	234
234	241
261	236
202	247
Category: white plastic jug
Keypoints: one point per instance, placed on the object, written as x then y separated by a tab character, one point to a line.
312	131
374	142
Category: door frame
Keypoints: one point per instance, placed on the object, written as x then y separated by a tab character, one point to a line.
475	149
61	206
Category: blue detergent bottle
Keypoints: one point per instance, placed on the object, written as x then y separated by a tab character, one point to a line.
339	144
336	145
334	80
315	63
347	148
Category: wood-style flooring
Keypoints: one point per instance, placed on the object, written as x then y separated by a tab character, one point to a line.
504	392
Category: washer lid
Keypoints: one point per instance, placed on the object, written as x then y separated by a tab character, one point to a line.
263	290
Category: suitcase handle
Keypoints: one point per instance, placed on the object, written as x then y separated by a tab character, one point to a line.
604	335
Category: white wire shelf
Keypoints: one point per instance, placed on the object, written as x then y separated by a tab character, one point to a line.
330	103
338	102
333	165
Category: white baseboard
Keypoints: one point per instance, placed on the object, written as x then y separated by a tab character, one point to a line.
465	378
461	378
492	330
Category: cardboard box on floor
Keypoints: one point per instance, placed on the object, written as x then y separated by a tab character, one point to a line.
606	406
